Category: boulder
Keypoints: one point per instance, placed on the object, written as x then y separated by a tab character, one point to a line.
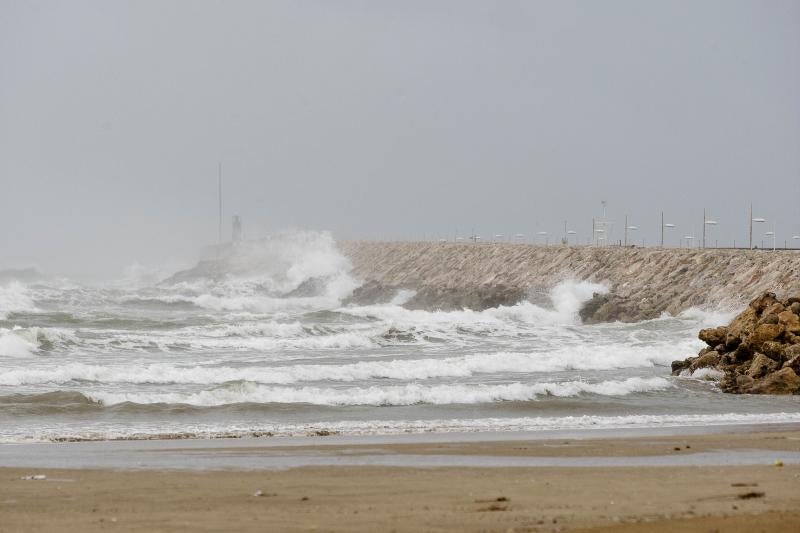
790	321
774	350
713	336
741	327
784	381
794	364
679	366
761	334
762	302
791	338
761	366
709	359
791	351
757	353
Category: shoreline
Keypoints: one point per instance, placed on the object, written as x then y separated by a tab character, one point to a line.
640	490
713	445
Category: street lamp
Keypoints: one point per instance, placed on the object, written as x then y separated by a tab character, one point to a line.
664	226
570	232
628	228
707	222
758	220
688	238
751	224
546	238
519	236
771	234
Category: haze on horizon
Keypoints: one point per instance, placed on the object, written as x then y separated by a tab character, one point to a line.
391	120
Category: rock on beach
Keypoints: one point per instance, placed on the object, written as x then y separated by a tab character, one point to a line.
757	353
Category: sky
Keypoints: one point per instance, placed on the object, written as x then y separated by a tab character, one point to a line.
390	120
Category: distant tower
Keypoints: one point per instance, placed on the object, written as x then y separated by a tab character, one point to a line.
237	228
220	202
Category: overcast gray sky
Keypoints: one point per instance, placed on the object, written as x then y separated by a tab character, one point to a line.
388	119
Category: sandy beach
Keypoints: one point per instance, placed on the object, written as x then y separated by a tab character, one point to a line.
720	495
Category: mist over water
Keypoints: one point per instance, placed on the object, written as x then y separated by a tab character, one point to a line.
256	339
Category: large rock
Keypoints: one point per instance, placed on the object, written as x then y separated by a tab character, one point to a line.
762	302
757	353
714	336
775	350
794	364
709	359
790	321
761	366
761	334
741	327
784	381
770	314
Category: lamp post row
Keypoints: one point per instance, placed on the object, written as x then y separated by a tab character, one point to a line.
599	231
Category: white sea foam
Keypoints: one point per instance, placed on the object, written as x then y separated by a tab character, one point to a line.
581	358
707	318
390	395
15	296
96	431
710	374
24	342
566	298
260	274
17	342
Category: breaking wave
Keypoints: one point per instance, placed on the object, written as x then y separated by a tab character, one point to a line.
15	297
25	342
389	395
580	359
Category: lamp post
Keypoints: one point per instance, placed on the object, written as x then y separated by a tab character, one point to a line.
546	238
751	224
771	234
627	227
663	227
759	220
707	223
599	237
573	232
519	236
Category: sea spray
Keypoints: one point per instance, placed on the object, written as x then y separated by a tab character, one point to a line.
266	342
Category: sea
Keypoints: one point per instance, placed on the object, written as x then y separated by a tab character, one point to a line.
267	343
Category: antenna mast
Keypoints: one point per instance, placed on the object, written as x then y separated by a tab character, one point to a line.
220	203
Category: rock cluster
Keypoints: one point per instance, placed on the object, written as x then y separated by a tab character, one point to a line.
757	353
611	307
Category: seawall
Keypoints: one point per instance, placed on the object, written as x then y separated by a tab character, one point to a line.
643	282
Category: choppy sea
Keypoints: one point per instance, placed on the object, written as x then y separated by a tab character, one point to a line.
270	348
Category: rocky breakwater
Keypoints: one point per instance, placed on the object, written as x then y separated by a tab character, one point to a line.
643	283
757	353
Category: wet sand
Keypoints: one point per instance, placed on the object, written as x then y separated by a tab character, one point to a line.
377	498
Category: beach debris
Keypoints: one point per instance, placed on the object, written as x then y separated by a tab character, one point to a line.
778	463
304	499
744	484
34	477
757	353
258	493
262	494
750	495
493	507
